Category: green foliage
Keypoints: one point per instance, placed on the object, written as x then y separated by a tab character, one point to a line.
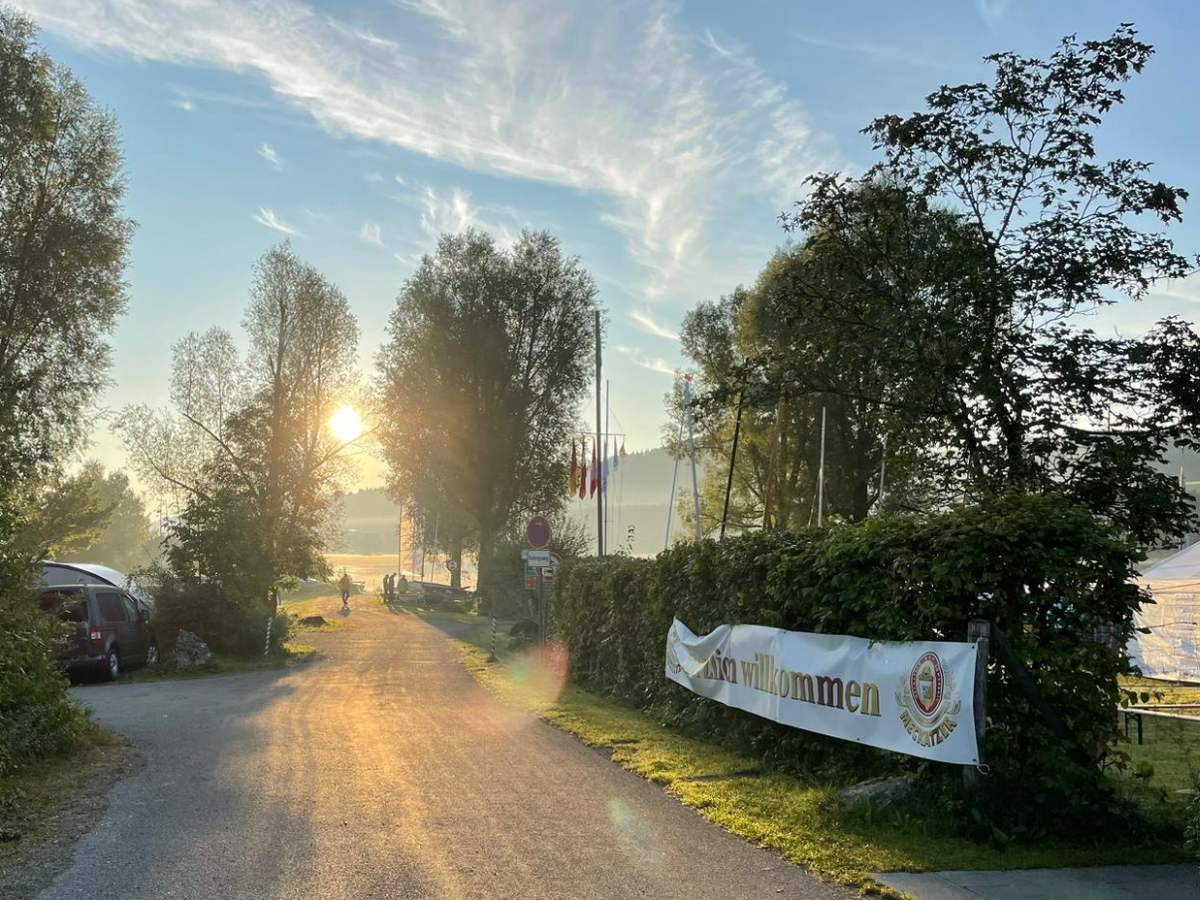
1047	573
91	516
62	251
1191	829
37	717
487	358
227	621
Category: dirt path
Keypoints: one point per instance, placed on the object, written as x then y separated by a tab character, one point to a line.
384	770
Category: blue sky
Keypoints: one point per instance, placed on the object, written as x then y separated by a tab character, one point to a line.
659	141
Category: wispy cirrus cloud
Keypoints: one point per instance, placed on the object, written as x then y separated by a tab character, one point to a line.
371	233
679	126
271	155
650	363
267	218
648	325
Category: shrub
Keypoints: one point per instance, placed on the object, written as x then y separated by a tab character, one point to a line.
37	717
226	622
1049	575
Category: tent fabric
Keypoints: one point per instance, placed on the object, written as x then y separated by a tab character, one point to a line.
1170	647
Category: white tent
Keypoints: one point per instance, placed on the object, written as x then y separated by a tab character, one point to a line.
1170	647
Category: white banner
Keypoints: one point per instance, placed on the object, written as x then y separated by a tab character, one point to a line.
915	698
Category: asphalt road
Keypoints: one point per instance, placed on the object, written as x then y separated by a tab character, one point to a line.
384	770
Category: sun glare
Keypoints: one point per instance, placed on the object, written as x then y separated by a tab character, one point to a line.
346	424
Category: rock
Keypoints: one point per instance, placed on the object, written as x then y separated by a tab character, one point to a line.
190	651
314	621
879	794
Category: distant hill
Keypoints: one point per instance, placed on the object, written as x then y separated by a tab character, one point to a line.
638	494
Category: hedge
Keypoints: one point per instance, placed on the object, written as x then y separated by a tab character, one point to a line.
1052	578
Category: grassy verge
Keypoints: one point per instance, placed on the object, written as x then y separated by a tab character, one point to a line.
49	803
221	664
796	817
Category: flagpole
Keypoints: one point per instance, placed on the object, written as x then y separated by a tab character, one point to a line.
604	466
599	499
821	474
687	400
674	477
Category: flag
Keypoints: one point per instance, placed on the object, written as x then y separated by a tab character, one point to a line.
595	473
574	470
583	470
604	468
616	457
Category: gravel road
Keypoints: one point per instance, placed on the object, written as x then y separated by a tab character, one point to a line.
383	770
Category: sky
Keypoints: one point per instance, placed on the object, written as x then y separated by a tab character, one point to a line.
658	141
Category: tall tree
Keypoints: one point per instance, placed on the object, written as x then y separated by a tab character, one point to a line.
63	241
478	384
1019	394
252	439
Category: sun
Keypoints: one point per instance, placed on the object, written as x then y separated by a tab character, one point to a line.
346	424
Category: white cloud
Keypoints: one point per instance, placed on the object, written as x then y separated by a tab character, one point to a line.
1179	288
184	103
271	155
665	127
371	233
441	214
267	218
652	364
400	181
373	178
648	325
992	11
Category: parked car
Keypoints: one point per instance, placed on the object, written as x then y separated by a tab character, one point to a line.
109	629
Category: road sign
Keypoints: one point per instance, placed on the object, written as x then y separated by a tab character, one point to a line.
451	565
536	557
538	532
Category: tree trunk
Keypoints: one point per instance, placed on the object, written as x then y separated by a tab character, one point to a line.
486	575
456	558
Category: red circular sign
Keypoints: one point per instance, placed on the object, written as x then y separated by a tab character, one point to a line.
538	532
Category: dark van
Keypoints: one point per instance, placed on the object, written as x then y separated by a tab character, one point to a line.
108	629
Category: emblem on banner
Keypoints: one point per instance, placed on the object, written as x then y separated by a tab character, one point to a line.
929	705
673	664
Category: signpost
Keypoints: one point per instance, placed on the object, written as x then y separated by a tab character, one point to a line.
538	532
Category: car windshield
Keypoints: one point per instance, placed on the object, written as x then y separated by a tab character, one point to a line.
71	605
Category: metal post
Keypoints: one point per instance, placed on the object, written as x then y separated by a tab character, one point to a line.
882	470
541	607
604	462
737	428
979	633
600	498
687	402
492	655
674	478
821	474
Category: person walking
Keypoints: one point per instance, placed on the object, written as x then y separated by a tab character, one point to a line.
345	584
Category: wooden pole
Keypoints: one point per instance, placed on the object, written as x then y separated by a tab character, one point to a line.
737	428
674	478
979	633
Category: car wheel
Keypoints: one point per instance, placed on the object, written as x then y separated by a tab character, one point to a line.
113	665
152	655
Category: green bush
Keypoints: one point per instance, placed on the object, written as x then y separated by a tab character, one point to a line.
1049	575
37	717
227	623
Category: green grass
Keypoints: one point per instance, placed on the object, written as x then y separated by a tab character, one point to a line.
794	816
223	664
49	799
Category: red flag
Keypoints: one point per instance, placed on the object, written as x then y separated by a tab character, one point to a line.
583	471
574	469
595	473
